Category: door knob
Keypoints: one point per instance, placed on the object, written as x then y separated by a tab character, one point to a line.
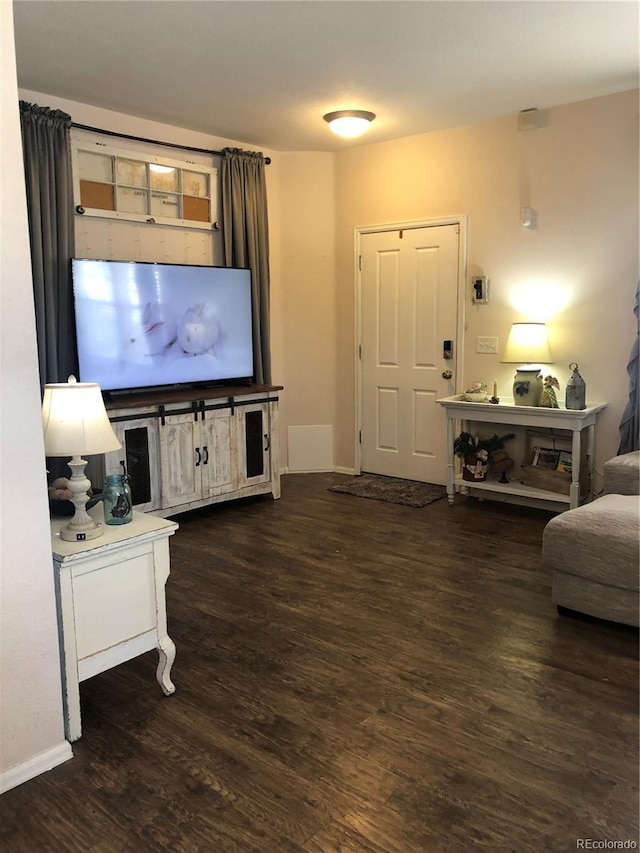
447	374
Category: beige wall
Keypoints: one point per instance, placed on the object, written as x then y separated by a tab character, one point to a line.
577	270
31	726
303	242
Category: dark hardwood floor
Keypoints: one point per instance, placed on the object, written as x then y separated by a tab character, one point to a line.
352	677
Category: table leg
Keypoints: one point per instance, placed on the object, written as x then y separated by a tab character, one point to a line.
450	462
574	494
72	719
591	440
166	656
166	647
70	678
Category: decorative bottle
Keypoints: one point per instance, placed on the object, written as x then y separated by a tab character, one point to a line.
118	504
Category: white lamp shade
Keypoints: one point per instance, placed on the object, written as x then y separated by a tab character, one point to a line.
527	343
75	420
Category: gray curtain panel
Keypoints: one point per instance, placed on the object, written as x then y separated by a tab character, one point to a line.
47	164
630	423
246	240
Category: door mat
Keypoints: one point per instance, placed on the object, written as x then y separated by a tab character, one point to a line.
391	489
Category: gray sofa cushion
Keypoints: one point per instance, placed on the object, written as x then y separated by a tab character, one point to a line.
599	541
622	474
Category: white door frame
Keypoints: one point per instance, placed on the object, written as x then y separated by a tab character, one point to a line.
461	221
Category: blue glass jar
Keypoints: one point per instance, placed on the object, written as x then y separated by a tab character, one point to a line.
118	504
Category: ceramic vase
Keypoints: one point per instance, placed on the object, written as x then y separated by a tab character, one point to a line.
527	387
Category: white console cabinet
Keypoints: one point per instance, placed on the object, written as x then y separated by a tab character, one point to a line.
187	449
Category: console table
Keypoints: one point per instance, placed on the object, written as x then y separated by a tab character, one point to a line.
528	416
111	602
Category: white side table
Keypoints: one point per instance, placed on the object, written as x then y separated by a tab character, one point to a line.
506	412
111	603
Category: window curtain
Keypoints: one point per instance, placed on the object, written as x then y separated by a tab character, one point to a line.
246	240
47	164
630	423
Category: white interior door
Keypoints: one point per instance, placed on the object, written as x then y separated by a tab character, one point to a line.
409	307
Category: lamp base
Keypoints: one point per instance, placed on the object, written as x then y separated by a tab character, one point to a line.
527	386
82	526
77	534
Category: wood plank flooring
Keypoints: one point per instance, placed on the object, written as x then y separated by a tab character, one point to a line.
352	677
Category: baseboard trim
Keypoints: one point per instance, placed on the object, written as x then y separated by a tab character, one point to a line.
337	469
310	471
36	765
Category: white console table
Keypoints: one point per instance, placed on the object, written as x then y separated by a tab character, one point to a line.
111	602
528	416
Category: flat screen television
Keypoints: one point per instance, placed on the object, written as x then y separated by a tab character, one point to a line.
147	325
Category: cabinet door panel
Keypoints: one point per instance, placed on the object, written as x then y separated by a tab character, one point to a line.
253	445
139	457
114	604
181	460
219	470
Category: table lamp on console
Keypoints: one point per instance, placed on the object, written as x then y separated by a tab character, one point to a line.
527	346
75	423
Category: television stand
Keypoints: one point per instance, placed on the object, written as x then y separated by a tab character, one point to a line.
192	447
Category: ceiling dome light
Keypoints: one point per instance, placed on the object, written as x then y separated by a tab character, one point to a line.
349	123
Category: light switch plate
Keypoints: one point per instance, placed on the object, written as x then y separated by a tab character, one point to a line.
485	344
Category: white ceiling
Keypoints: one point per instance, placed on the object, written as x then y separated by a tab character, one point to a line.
264	73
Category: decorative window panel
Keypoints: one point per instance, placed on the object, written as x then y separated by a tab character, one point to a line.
132	201
120	185
167	179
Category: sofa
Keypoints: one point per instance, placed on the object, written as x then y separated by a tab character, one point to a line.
593	551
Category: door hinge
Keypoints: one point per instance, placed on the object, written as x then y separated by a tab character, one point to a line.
359	436
359	350
360	262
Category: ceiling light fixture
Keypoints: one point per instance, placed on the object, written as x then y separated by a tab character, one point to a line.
349	123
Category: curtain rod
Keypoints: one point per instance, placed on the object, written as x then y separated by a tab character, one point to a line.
267	160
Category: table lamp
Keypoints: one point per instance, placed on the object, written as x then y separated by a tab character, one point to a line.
527	346
75	423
